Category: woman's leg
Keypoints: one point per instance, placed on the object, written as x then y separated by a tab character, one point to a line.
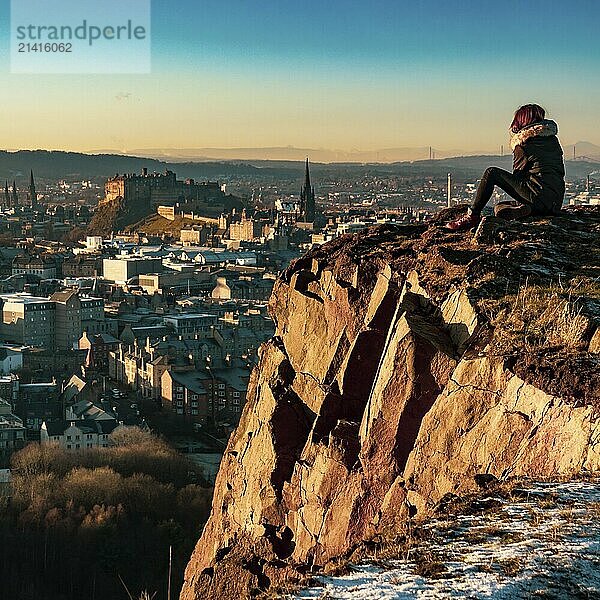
510	183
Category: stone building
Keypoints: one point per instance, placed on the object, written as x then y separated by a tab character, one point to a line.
77	435
184	394
246	229
221	291
141	366
98	347
72	314
43	266
227	390
36	403
28	320
195	235
154	189
82	266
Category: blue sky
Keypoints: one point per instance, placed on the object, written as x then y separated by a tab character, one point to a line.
379	32
342	75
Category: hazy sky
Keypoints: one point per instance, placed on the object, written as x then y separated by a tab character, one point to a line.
333	74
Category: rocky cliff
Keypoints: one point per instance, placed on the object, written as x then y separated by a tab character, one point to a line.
407	361
112	216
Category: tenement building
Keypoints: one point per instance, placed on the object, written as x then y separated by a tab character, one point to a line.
55	322
73	313
28	320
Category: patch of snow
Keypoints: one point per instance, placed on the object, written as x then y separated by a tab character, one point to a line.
544	545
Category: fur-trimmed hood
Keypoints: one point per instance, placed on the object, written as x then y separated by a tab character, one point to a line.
544	128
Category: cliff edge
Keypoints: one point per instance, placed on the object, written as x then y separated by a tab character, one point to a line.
114	215
406	362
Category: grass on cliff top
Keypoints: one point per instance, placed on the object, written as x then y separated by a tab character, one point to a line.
544	331
547	316
158	225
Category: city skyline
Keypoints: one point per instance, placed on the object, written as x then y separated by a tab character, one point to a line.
345	77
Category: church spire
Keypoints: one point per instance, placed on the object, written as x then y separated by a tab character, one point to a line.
307	198
32	192
307	177
6	195
15	196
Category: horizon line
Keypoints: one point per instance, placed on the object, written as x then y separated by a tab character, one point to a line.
202	159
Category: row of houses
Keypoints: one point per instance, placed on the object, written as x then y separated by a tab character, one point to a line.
205	396
185	376
33	411
69	415
77	435
121	268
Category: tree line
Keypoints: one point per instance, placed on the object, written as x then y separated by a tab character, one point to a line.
86	524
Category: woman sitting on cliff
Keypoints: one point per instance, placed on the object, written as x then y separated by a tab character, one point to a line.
537	182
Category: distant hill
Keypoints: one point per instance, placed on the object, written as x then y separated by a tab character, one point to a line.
51	165
583	150
290	153
73	165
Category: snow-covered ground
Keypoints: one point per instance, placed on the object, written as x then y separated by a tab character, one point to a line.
544	545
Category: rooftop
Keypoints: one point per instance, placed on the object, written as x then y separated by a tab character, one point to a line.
187	316
58	427
24	298
192	380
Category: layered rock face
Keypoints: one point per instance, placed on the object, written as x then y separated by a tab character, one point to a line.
406	361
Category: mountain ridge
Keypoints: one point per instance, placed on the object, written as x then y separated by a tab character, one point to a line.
382	155
72	165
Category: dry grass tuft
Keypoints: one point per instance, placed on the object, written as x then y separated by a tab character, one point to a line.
541	317
593	509
510	566
428	564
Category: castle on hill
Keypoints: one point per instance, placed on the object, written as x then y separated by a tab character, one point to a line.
165	189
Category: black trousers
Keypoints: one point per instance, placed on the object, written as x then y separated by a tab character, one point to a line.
510	183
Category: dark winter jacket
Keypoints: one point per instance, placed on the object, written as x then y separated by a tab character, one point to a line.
538	159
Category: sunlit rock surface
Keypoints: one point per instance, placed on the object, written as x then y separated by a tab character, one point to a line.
406	361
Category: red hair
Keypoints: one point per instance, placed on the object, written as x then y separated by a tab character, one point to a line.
526	115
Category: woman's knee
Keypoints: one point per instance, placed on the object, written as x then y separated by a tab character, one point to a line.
490	172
